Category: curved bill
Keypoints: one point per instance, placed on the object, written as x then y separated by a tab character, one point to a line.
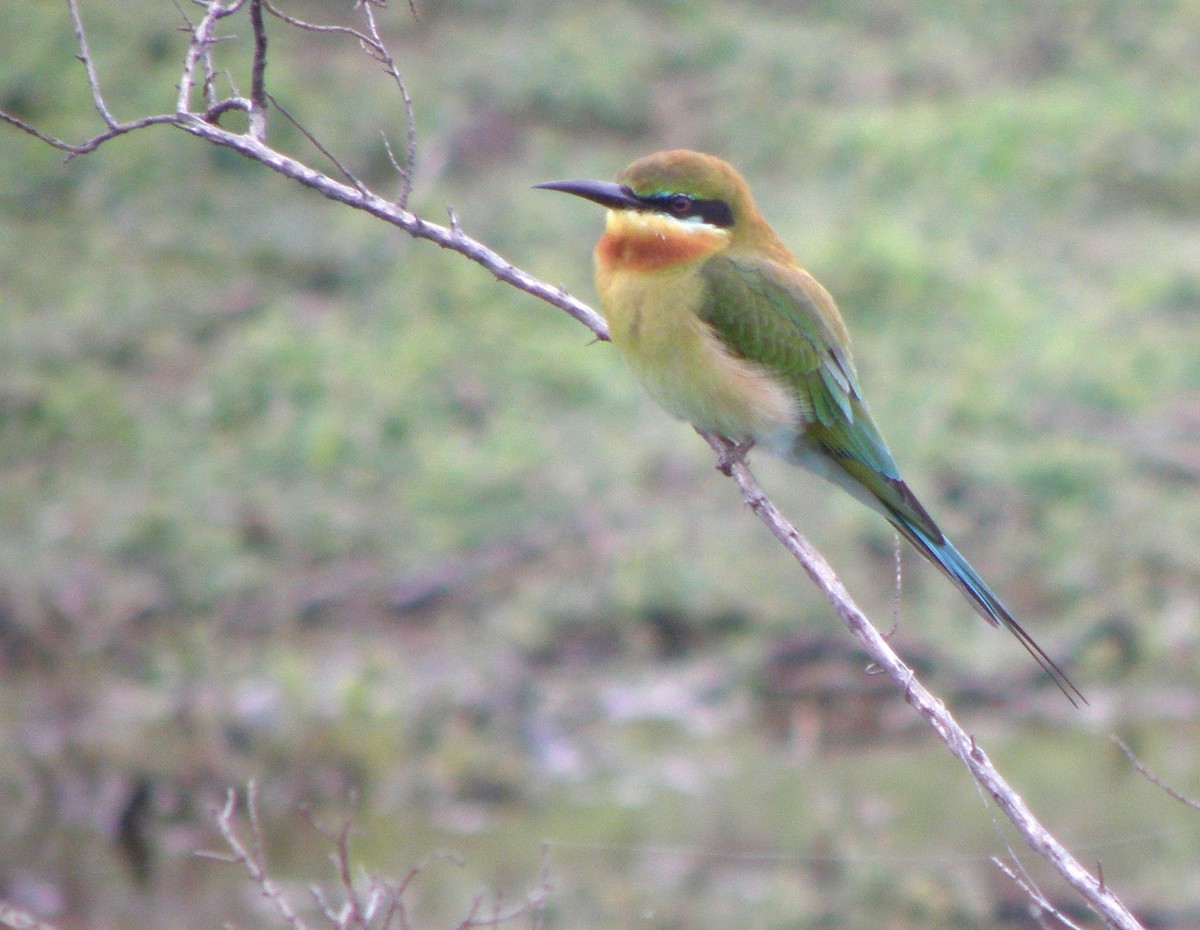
605	193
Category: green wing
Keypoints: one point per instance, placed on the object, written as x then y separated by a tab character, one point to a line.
783	319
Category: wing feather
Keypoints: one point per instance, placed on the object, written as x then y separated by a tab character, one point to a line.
781	318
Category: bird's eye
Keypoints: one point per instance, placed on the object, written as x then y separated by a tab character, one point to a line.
680	204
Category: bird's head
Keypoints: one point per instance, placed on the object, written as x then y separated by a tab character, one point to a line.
680	191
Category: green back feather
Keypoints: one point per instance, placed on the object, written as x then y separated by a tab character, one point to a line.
782	319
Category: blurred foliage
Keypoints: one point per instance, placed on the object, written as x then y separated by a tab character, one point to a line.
285	494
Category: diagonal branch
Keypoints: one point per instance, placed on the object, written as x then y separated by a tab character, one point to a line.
1152	778
319	146
1043	906
960	743
453	239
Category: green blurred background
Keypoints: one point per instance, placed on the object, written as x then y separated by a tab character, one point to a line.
286	495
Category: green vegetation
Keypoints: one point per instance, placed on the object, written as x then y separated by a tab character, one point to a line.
286	495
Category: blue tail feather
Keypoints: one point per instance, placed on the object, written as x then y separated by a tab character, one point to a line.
877	483
943	554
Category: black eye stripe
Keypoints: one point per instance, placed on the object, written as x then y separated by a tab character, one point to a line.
713	212
716	212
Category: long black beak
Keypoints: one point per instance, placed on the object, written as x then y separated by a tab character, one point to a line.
605	193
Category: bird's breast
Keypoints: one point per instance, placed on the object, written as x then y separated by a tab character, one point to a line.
654	321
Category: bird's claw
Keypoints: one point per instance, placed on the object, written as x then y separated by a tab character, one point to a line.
733	454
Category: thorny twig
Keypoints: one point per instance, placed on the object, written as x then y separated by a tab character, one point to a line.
372	42
381	906
204	124
1043	908
258	74
253	862
317	144
1154	779
353	909
199	50
85	56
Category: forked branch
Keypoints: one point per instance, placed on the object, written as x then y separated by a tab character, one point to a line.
368	903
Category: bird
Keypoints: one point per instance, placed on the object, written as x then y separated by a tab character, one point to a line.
726	330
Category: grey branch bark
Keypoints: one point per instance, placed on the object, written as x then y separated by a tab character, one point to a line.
205	125
960	743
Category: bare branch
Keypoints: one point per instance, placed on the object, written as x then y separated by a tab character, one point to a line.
253	862
469	919
256	834
258	71
1017	871
12	918
115	128
1107	904
353	910
1042	907
399	909
410	223
324	906
387	147
85	56
1152	778
372	42
393	910
198	50
91	144
410	161
346	172
315	27
498	916
209	87
214	112
380	906
389	65
412	8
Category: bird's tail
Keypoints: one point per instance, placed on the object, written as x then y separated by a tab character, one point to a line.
859	461
941	552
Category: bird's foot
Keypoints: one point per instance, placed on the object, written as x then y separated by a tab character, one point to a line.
733	455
